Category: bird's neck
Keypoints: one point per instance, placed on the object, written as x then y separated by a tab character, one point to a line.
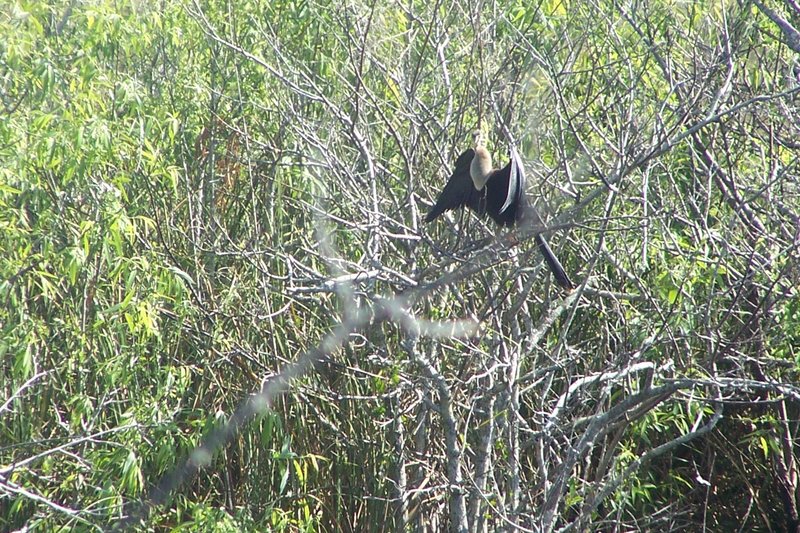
481	167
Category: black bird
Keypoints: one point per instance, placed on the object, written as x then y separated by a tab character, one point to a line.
497	193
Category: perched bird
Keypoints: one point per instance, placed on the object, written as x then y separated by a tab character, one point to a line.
476	184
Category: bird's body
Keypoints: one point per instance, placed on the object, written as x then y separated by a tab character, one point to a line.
498	193
460	191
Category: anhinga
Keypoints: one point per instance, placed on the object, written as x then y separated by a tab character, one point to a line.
497	193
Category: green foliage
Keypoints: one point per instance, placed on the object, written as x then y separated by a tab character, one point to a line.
167	176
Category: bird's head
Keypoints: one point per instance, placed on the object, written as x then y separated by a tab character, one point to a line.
477	137
481	165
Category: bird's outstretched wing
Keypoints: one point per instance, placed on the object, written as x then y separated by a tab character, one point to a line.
459	190
516	180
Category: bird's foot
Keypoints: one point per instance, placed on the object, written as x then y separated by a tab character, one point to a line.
510	239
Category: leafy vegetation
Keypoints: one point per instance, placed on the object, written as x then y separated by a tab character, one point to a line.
221	310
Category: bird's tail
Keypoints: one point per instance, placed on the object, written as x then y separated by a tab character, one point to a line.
555	266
